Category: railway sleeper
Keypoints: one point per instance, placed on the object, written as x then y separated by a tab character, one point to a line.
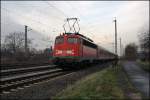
18	78
29	81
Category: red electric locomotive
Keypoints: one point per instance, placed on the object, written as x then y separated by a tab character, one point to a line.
74	48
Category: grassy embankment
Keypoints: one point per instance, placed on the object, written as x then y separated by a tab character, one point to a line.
144	64
100	85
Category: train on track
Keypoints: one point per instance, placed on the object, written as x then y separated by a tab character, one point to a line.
74	48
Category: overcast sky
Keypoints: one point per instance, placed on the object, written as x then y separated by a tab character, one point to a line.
46	18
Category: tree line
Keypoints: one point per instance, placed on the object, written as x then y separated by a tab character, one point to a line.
13	50
131	51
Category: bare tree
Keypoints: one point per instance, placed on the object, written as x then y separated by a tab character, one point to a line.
14	43
144	39
131	51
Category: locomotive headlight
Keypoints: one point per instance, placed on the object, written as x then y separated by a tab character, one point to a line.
70	52
58	51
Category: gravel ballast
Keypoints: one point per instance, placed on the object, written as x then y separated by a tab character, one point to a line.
47	89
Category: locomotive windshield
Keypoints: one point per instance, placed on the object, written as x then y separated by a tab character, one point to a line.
72	40
59	40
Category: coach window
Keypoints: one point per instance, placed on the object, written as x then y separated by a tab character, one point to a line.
59	40
72	40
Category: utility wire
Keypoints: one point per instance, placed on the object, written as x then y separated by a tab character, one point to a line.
56	8
73	8
30	5
14	13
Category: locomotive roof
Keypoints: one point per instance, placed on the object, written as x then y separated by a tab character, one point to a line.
81	36
85	37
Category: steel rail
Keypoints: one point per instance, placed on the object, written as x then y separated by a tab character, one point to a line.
25	76
23	70
31	81
15	66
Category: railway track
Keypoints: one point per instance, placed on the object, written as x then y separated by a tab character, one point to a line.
15	78
11	72
15	66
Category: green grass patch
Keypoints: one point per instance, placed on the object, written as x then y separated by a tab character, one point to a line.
100	85
144	64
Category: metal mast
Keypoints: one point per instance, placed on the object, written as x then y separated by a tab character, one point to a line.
115	35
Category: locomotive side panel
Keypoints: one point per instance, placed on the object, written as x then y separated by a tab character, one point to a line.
88	50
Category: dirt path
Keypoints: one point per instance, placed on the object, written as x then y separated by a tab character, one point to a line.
139	77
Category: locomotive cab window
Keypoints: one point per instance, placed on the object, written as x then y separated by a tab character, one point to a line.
59	40
72	40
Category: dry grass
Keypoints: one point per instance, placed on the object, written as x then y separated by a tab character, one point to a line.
100	85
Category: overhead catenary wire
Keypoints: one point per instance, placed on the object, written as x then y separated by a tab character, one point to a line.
28	17
18	14
22	16
14	13
56	9
33	5
73	8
